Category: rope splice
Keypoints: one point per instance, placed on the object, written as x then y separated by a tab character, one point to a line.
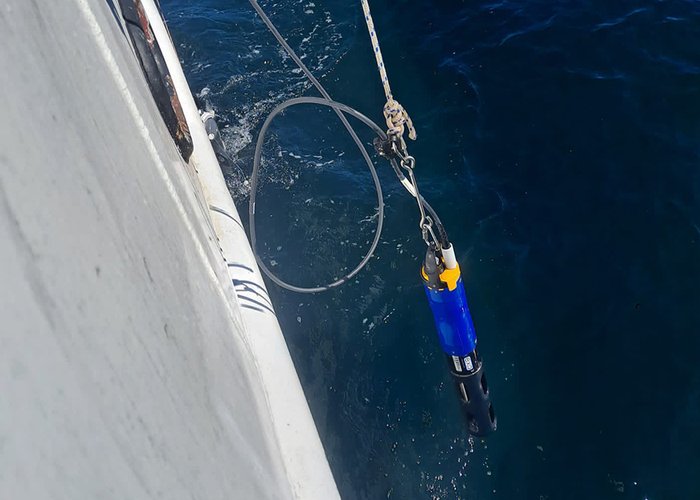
397	119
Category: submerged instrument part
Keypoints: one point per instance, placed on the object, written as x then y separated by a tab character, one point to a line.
448	301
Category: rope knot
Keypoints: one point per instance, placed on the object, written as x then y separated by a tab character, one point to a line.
397	120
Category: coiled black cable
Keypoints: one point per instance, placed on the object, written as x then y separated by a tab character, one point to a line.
340	110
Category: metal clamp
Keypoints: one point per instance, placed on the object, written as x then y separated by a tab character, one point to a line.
428	233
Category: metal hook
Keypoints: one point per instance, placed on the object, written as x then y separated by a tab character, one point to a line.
427	229
408	162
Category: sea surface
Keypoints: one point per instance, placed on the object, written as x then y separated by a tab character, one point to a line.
560	143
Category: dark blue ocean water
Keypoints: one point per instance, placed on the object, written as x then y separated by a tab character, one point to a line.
560	142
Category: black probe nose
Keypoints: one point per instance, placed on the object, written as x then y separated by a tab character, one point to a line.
474	394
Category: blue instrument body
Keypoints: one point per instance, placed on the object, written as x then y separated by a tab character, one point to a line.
452	319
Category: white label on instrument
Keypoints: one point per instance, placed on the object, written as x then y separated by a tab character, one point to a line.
458	365
468	363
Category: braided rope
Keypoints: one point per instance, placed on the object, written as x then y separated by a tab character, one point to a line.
394	113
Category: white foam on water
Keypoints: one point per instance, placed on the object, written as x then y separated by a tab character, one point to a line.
264	76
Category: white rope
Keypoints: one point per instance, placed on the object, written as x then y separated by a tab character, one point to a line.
397	118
